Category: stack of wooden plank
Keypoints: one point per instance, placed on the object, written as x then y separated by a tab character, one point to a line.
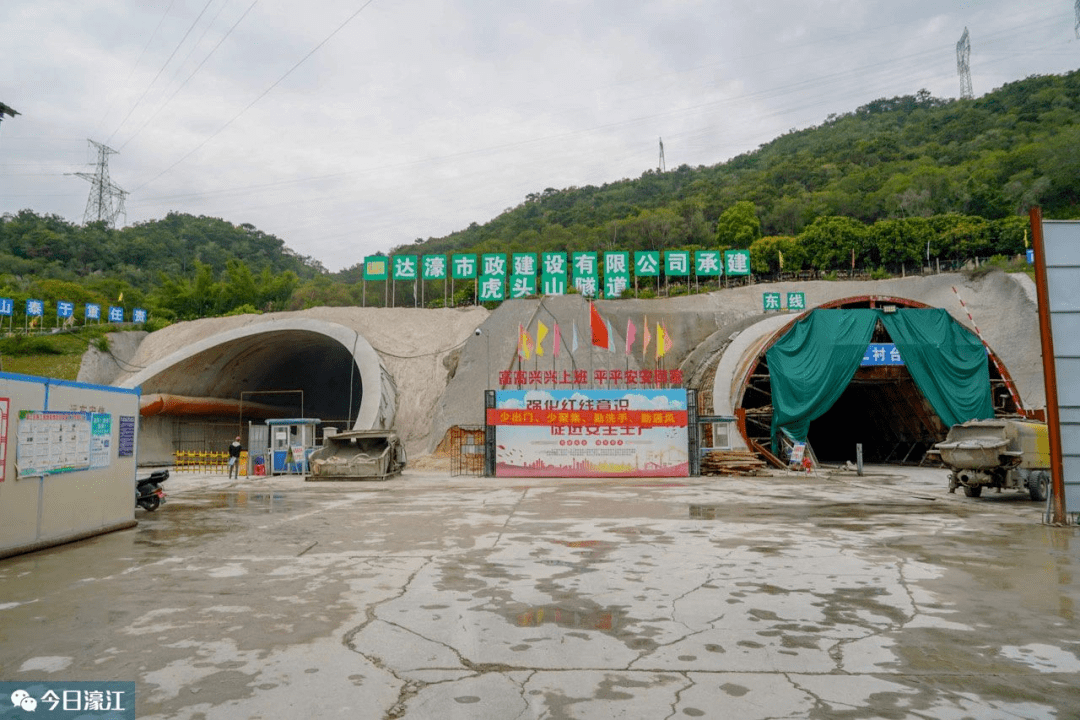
731	462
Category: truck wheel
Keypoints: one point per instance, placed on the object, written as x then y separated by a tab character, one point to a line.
973	490
1037	486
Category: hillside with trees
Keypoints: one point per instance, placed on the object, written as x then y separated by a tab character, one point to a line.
881	188
883	180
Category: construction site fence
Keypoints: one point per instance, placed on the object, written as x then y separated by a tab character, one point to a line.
206	461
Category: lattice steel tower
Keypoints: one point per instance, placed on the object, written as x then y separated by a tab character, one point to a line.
106	201
662	167
1076	26
963	65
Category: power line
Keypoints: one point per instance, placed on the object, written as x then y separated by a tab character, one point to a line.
260	97
193	72
149	42
161	70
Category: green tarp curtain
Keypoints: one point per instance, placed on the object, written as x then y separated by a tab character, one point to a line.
946	361
811	365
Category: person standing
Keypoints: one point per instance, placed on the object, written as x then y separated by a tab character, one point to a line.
234	458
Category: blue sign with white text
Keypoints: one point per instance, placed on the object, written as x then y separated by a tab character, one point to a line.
881	354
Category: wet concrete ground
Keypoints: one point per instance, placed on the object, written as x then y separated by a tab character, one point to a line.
436	597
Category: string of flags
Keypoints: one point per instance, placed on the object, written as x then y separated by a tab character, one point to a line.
602	335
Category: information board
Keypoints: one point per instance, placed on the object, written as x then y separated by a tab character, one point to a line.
125	441
590	433
58	442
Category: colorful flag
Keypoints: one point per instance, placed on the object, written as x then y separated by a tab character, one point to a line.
524	343
121	298
573	337
668	341
661	346
631	334
611	337
556	341
780	254
541	333
648	337
598	327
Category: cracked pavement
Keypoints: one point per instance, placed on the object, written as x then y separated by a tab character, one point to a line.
436	597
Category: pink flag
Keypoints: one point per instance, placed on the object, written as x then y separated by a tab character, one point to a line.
557	341
648	336
631	333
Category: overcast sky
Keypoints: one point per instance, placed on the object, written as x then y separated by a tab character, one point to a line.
347	127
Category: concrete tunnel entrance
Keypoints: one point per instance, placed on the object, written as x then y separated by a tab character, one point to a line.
201	396
881	408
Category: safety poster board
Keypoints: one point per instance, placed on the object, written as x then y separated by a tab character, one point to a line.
50	442
590	433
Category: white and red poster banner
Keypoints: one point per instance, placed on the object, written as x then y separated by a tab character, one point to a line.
590	433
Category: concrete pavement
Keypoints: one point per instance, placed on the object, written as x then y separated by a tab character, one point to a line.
436	597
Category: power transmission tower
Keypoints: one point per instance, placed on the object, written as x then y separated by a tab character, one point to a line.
963	65
106	201
1076	26
662	167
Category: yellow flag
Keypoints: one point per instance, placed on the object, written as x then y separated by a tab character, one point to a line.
661	346
1025	239
121	298
781	254
541	333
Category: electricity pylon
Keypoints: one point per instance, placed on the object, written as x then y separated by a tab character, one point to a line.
106	201
963	65
662	167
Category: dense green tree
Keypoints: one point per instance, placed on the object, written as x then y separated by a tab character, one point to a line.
738	226
834	242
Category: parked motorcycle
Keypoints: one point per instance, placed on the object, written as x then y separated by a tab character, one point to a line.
148	491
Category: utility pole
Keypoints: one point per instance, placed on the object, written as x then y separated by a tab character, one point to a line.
662	167
963	64
106	201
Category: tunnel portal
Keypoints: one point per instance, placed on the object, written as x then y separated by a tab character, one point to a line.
204	394
882	408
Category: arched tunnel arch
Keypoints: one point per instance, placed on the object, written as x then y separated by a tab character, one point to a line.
882	409
279	368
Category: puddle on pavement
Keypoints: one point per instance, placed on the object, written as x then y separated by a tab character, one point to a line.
602	619
821	514
258	502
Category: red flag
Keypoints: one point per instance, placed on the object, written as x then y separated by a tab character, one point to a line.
631	333
599	328
557	341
